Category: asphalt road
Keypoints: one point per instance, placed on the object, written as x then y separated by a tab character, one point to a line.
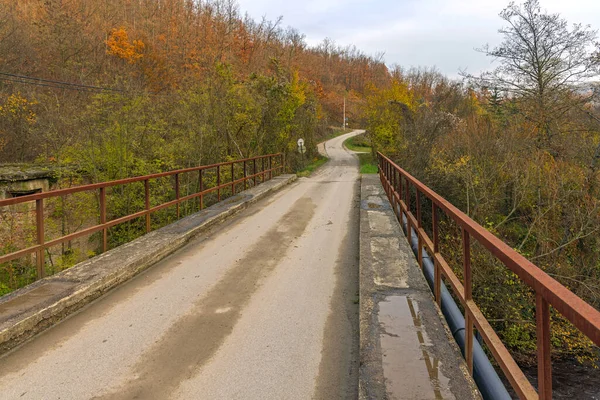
261	307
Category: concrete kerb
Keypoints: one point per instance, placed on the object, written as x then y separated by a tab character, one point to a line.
32	309
390	278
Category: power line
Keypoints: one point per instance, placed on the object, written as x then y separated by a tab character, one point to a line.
51	83
28	80
46	85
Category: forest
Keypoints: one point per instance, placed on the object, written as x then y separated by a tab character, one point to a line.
99	91
171	83
118	88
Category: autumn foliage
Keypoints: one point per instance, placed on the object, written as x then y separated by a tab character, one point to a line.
119	45
159	85
179	72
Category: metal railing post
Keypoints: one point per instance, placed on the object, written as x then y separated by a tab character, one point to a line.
39	257
400	193
542	311
254	172
147	201
232	178
408	223
390	175
393	187
201	188
466	242
177	194
399	189
419	238
245	175
387	177
218	183
437	278
103	218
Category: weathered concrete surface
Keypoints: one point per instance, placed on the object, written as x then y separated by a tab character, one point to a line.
406	351
263	306
32	309
22	172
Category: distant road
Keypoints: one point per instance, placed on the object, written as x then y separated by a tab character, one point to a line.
262	307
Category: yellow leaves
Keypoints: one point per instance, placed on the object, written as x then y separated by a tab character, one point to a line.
475	102
118	45
298	89
462	161
568	340
386	109
17	107
442	162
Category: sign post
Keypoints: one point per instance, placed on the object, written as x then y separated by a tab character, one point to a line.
301	149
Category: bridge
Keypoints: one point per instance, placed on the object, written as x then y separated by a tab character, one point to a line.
323	287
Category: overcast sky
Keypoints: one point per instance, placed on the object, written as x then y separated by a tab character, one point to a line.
440	33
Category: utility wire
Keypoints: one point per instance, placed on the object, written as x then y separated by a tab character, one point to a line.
46	85
28	80
51	83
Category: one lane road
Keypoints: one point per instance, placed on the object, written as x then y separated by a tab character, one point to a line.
262	307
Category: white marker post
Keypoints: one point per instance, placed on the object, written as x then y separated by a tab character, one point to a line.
301	149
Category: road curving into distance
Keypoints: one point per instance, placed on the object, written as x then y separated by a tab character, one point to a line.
261	307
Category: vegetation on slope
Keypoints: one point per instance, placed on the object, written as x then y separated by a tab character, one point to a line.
176	83
517	149
154	86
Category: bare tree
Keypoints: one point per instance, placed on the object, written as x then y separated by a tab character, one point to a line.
543	62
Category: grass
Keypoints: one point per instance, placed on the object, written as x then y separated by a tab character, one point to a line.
367	163
362	145
310	168
355	144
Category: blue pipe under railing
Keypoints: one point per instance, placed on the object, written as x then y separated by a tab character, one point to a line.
484	374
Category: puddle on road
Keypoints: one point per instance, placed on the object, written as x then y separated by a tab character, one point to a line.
433	365
407	366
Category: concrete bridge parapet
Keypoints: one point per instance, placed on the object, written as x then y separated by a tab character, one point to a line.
36	307
406	349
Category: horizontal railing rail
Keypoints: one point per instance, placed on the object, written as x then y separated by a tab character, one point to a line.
268	165
548	292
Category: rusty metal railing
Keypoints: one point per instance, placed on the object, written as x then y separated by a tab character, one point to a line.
548	292
268	165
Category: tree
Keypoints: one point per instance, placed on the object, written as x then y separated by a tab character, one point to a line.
542	61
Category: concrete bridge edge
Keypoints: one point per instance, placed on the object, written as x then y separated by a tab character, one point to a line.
388	270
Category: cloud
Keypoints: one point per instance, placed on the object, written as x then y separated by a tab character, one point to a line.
438	33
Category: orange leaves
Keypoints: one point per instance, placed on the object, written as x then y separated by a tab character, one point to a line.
319	90
118	45
243	42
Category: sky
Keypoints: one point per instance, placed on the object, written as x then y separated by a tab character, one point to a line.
440	33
